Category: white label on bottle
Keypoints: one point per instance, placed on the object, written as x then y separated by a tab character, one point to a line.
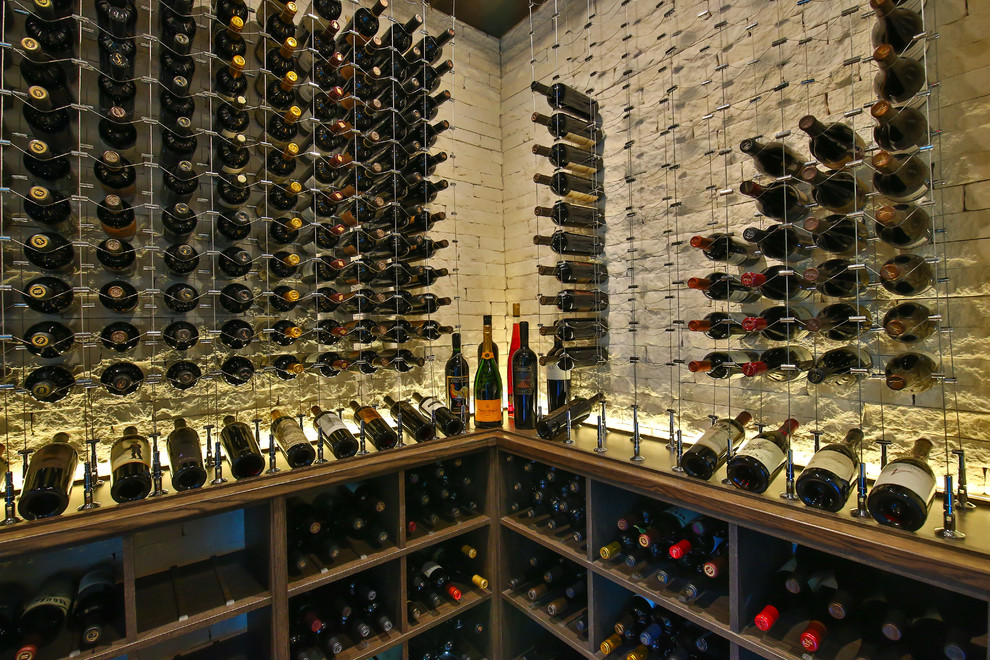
765	451
684	516
430	567
133	449
911	477
330	423
717	437
835	462
289	434
429	405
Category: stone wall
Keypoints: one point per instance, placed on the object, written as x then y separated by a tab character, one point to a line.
680	85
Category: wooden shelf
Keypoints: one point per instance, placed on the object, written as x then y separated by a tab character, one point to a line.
425	539
562	629
540	534
448	609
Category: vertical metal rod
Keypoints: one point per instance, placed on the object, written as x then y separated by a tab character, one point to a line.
962	488
790	493
399	431
568	440
88	502
861	511
272	456
217	465
209	446
8	498
817	435
320	439
678	452
94	463
24	461
364	448
637	457
948	529
884	444
602	430
670	416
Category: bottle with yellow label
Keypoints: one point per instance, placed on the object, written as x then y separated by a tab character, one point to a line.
487	384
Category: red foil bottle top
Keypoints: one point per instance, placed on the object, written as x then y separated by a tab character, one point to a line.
754	368
754	323
680	549
753	279
314	622
813	635
700	242
766	618
453	592
411	526
714	567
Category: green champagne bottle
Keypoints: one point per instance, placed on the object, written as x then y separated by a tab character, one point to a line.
487	384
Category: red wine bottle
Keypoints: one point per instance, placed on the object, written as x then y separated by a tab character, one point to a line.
903	493
828	478
760	459
709	452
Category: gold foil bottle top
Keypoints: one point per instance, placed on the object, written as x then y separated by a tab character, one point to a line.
289	81
39	241
295	332
37	291
292	115
237	65
38	148
39	194
236	24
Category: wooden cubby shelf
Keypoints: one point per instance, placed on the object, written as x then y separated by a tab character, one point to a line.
204	568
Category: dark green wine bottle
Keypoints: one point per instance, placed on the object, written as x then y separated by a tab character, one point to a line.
487	385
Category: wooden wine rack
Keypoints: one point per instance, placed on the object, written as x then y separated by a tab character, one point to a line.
252	580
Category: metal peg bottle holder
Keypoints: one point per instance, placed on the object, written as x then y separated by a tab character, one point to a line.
217	465
320	440
272	456
8	498
636	457
156	468
88	502
678	451
94	464
568	440
602	430
790	493
208	463
962	489
861	511
364	448
400	431
884	444
670	426
948	529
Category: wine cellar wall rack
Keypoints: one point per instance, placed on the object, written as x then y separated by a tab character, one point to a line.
760	534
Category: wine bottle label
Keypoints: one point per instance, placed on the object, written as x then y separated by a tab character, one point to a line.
329	423
835	462
489	410
429	405
764	451
60	600
431	567
457	390
579	140
580	197
913	478
130	450
522	380
290	434
717	437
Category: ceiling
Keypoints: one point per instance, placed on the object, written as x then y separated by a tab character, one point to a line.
494	17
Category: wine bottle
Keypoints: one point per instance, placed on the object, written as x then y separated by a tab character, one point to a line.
236	334
574	300
779	283
237	370
839	278
41	69
120	336
902	129
342	442
564	97
774	159
181	298
48	295
780	363
49	478
911	372
382	435
118	296
897	27
718	325
833	145
899	78
828	478
185	457
838	234
487	384
721	286
901	178
840	321
116	217
51	252
709	452
118	132
907	275
569	243
45	614
50	124
525	379
909	323
565	127
117	256
564	214
724	248
779	323
778	200
130	462
292	440
564	156
183	374
48	339
784	242
457	374
95	603
904	226
446	420
570	186
53	170
903	493
839	192
48	207
122	378
241	447
723	364
760	459
419	427
841	367
50	383
577	410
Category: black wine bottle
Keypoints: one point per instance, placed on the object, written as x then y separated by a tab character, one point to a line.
774	159
457	374
45	614
841	367
899	129
292	440
183	374
760	459
50	383
721	286
413	422
342	442
49	478
122	378
778	200
48	295
51	252
241	447
181	298
709	452
237	370
95	603
49	339
130	462
909	323
376	429
903	493
185	457
722	247
118	296
828	478
833	145
576	411
899	78
525	381
120	336
907	275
